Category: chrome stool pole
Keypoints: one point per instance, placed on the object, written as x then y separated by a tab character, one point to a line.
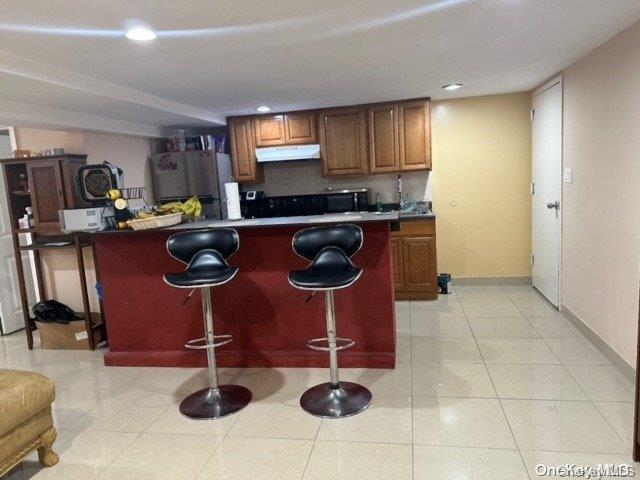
334	399
215	401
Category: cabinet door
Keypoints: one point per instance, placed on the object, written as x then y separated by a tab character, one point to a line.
269	130
69	168
47	197
300	128
243	155
419	256
384	154
397	263
343	141
415	135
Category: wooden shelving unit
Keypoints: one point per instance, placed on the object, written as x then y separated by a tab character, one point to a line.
45	233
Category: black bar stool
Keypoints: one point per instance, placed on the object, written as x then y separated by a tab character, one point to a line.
206	252
329	249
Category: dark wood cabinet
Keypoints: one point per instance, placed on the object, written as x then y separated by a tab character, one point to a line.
47	184
300	128
414	129
413	250
243	155
47	197
269	130
397	262
52	188
343	141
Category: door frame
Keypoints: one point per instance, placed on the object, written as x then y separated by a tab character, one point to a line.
545	86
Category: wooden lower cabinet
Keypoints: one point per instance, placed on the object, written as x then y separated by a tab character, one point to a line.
397	262
413	251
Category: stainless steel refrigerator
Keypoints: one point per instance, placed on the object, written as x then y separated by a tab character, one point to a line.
180	175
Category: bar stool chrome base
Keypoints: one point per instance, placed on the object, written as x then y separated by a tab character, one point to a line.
210	403
330	402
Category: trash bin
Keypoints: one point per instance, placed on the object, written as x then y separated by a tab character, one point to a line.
444	283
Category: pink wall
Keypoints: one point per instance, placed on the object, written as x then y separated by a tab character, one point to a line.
601	237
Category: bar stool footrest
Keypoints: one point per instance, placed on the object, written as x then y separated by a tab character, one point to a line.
341	344
201	343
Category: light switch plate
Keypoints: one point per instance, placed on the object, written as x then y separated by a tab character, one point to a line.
567	176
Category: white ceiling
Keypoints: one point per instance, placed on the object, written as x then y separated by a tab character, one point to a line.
213	59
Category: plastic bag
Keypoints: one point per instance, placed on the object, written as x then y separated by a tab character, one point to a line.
54	312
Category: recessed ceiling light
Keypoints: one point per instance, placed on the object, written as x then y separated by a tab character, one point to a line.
141	34
453	86
263	109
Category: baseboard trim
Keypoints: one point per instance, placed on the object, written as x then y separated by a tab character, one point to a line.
610	354
469	281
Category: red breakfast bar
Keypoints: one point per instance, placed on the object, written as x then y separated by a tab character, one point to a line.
270	320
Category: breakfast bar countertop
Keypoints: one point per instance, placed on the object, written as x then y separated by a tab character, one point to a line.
356	217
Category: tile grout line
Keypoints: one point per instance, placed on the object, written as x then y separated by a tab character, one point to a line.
506	418
593	404
413	473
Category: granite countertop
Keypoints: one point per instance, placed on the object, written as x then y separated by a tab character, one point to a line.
416	216
358	217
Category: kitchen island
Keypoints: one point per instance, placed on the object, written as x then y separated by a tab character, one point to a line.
271	321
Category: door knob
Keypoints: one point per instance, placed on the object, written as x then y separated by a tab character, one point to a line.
555	205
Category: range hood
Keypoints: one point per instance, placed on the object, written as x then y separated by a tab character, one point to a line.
288	153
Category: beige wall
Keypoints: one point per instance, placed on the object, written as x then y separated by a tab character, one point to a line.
129	153
482	173
601	237
35	139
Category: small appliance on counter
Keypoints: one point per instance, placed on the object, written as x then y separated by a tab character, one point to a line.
93	219
102	187
93	182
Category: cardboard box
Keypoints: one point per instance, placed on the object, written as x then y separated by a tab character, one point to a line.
70	336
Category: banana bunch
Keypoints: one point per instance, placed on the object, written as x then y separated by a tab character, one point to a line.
191	207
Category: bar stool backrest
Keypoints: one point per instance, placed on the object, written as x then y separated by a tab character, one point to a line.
184	245
309	242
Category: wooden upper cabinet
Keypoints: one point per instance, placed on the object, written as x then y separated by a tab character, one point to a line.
300	128
243	155
47	196
287	129
384	149
269	130
343	141
415	135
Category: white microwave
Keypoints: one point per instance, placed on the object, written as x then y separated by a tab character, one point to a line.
92	219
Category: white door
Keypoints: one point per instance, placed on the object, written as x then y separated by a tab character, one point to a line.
10	307
547	189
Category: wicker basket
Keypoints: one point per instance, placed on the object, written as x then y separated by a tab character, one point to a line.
155	222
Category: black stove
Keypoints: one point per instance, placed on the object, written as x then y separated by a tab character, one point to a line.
334	201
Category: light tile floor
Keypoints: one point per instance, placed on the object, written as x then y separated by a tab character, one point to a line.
490	382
